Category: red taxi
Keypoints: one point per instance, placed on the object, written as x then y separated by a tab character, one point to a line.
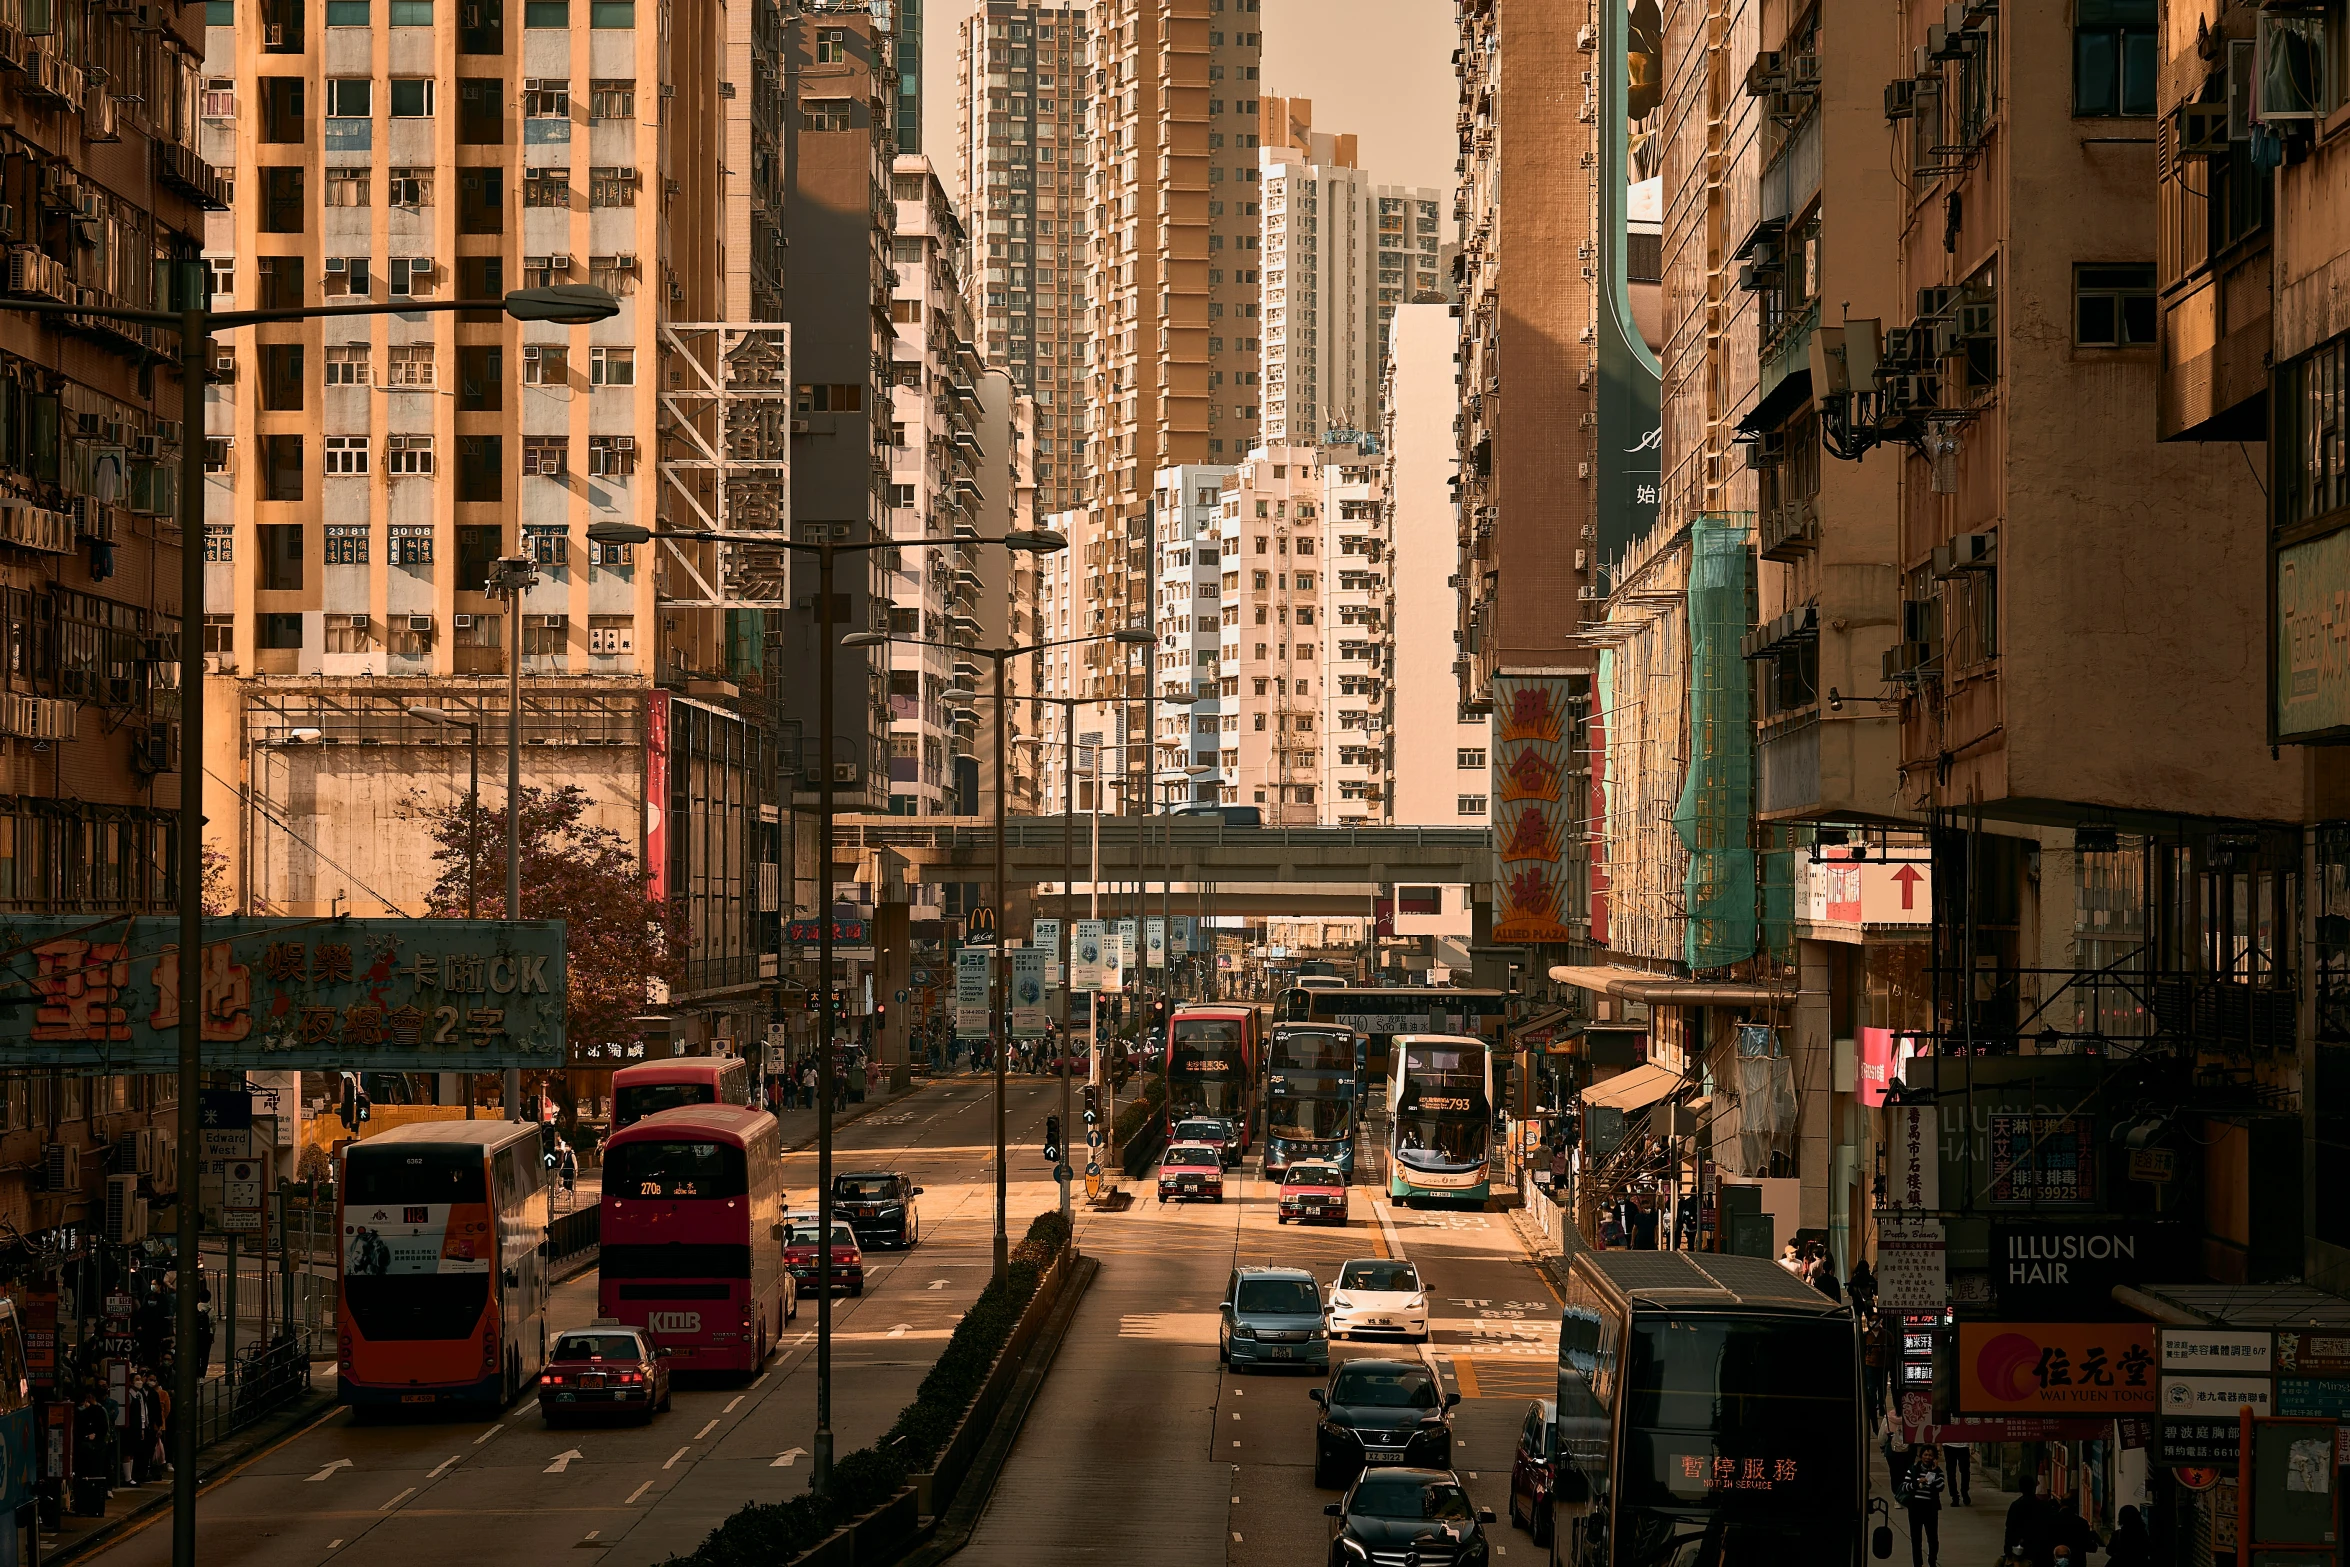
799	1254
1191	1172
607	1368
1313	1191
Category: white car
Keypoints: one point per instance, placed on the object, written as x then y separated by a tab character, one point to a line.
1376	1295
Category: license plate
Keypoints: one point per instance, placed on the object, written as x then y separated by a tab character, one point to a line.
589	1384
415	1398
1282	1352
1383	1458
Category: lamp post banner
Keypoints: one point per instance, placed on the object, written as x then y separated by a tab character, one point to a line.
384	995
1090	962
1047	935
1028	991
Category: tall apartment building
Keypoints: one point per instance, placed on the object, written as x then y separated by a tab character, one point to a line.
933	587
1315	255
1359	646
1171	212
1526	206
106	192
1273	634
1021	86
839	150
1436	751
1188	614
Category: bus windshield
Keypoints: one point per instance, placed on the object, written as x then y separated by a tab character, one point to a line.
1294	1115
638	1100
675	1169
406	1173
1204	1070
1749	1414
1312	1050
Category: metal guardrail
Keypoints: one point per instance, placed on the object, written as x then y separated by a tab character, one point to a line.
264	1381
572	1233
1127	832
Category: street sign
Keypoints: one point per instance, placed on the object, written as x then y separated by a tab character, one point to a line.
810	933
1061	1171
901	998
227	1118
979	930
241	1186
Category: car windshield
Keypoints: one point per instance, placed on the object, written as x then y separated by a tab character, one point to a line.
1385	1387
598	1346
1279	1297
1189	1157
803	1233
1379	1276
1311	1175
1402	1496
861	1188
1200	1131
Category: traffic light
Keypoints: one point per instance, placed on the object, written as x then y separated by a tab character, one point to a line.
1052	1139
880	1016
1093	1104
356	1106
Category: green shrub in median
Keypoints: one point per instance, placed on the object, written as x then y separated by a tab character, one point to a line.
1135	1113
761	1534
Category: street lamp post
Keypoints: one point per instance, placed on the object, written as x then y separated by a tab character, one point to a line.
472	728
1037	541
510	577
569	304
1068	706
996	1020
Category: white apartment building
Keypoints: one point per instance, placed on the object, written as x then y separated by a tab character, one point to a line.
1271	661
1188	615
928	308
1358	652
1438	760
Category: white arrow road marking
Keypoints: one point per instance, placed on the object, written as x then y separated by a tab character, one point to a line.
787	1459
340	1463
397	1500
563	1461
936	1284
900	1330
706	1430
639	1491
674	1457
444	1469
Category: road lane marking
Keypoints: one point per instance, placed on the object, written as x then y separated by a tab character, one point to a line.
334	1545
562	1461
639	1491
397	1500
674	1457
437	1473
340	1463
486	1435
706	1430
729	1409
1464	1372
763	1376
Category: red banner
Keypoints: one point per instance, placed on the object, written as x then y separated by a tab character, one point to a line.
657	796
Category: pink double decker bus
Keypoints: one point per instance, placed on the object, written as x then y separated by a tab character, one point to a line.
692	1247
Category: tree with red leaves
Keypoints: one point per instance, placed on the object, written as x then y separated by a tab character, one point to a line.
617	940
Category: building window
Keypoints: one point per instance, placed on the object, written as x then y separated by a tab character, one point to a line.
481	201
350	97
546	187
544	364
546	13
481	468
611	13
350	633
412	96
410	276
547	457
612	98
220	633
546	636
1470	758
281	555
2312	446
281	467
409	365
410	187
408	454
611	367
478	548
611	186
546	546
346	454
346	542
481	377
611	456
547	98
220	454
281	377
2113	306
281	283
280	630
832	46
1469	805
2113	58
828	114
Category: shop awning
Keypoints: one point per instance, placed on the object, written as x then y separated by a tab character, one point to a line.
1631	984
1538	1030
1634	1090
2236	1305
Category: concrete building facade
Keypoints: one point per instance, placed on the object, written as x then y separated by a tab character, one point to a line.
1273	634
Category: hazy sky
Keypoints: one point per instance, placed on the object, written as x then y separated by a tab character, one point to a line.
1379	68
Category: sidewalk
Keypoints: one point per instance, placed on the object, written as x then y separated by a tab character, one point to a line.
1970	1535
131	1508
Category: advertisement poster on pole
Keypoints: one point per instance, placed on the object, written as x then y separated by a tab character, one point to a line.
971	975
1128	940
1911	1271
1089	956
1048	936
1027	977
1187	934
1155	944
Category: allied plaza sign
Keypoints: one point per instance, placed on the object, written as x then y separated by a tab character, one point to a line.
391	995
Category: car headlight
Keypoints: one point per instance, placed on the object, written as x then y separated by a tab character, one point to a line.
1243	1330
1318	1333
1341	1303
1361	1555
890	1212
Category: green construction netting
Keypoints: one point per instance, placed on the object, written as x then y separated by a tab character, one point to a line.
1778	889
1717	799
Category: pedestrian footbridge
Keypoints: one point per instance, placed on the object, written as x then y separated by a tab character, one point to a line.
1186	849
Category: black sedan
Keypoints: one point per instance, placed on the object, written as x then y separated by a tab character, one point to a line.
1381	1413
879	1206
1421	1517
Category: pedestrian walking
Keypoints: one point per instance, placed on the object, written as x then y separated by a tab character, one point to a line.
1872	1373
91	1465
1862	1287
1958	1466
2030	1532
2131	1545
138	1437
1921	1494
808	1084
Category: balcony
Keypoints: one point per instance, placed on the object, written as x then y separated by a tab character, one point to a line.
180	166
1787	531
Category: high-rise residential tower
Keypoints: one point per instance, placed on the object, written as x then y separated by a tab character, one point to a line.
1021	87
1271	667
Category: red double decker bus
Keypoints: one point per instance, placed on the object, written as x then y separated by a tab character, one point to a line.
653	1086
444	1296
1214	1052
692	1236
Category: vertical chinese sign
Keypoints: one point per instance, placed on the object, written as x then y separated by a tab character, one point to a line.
657	797
1533	817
